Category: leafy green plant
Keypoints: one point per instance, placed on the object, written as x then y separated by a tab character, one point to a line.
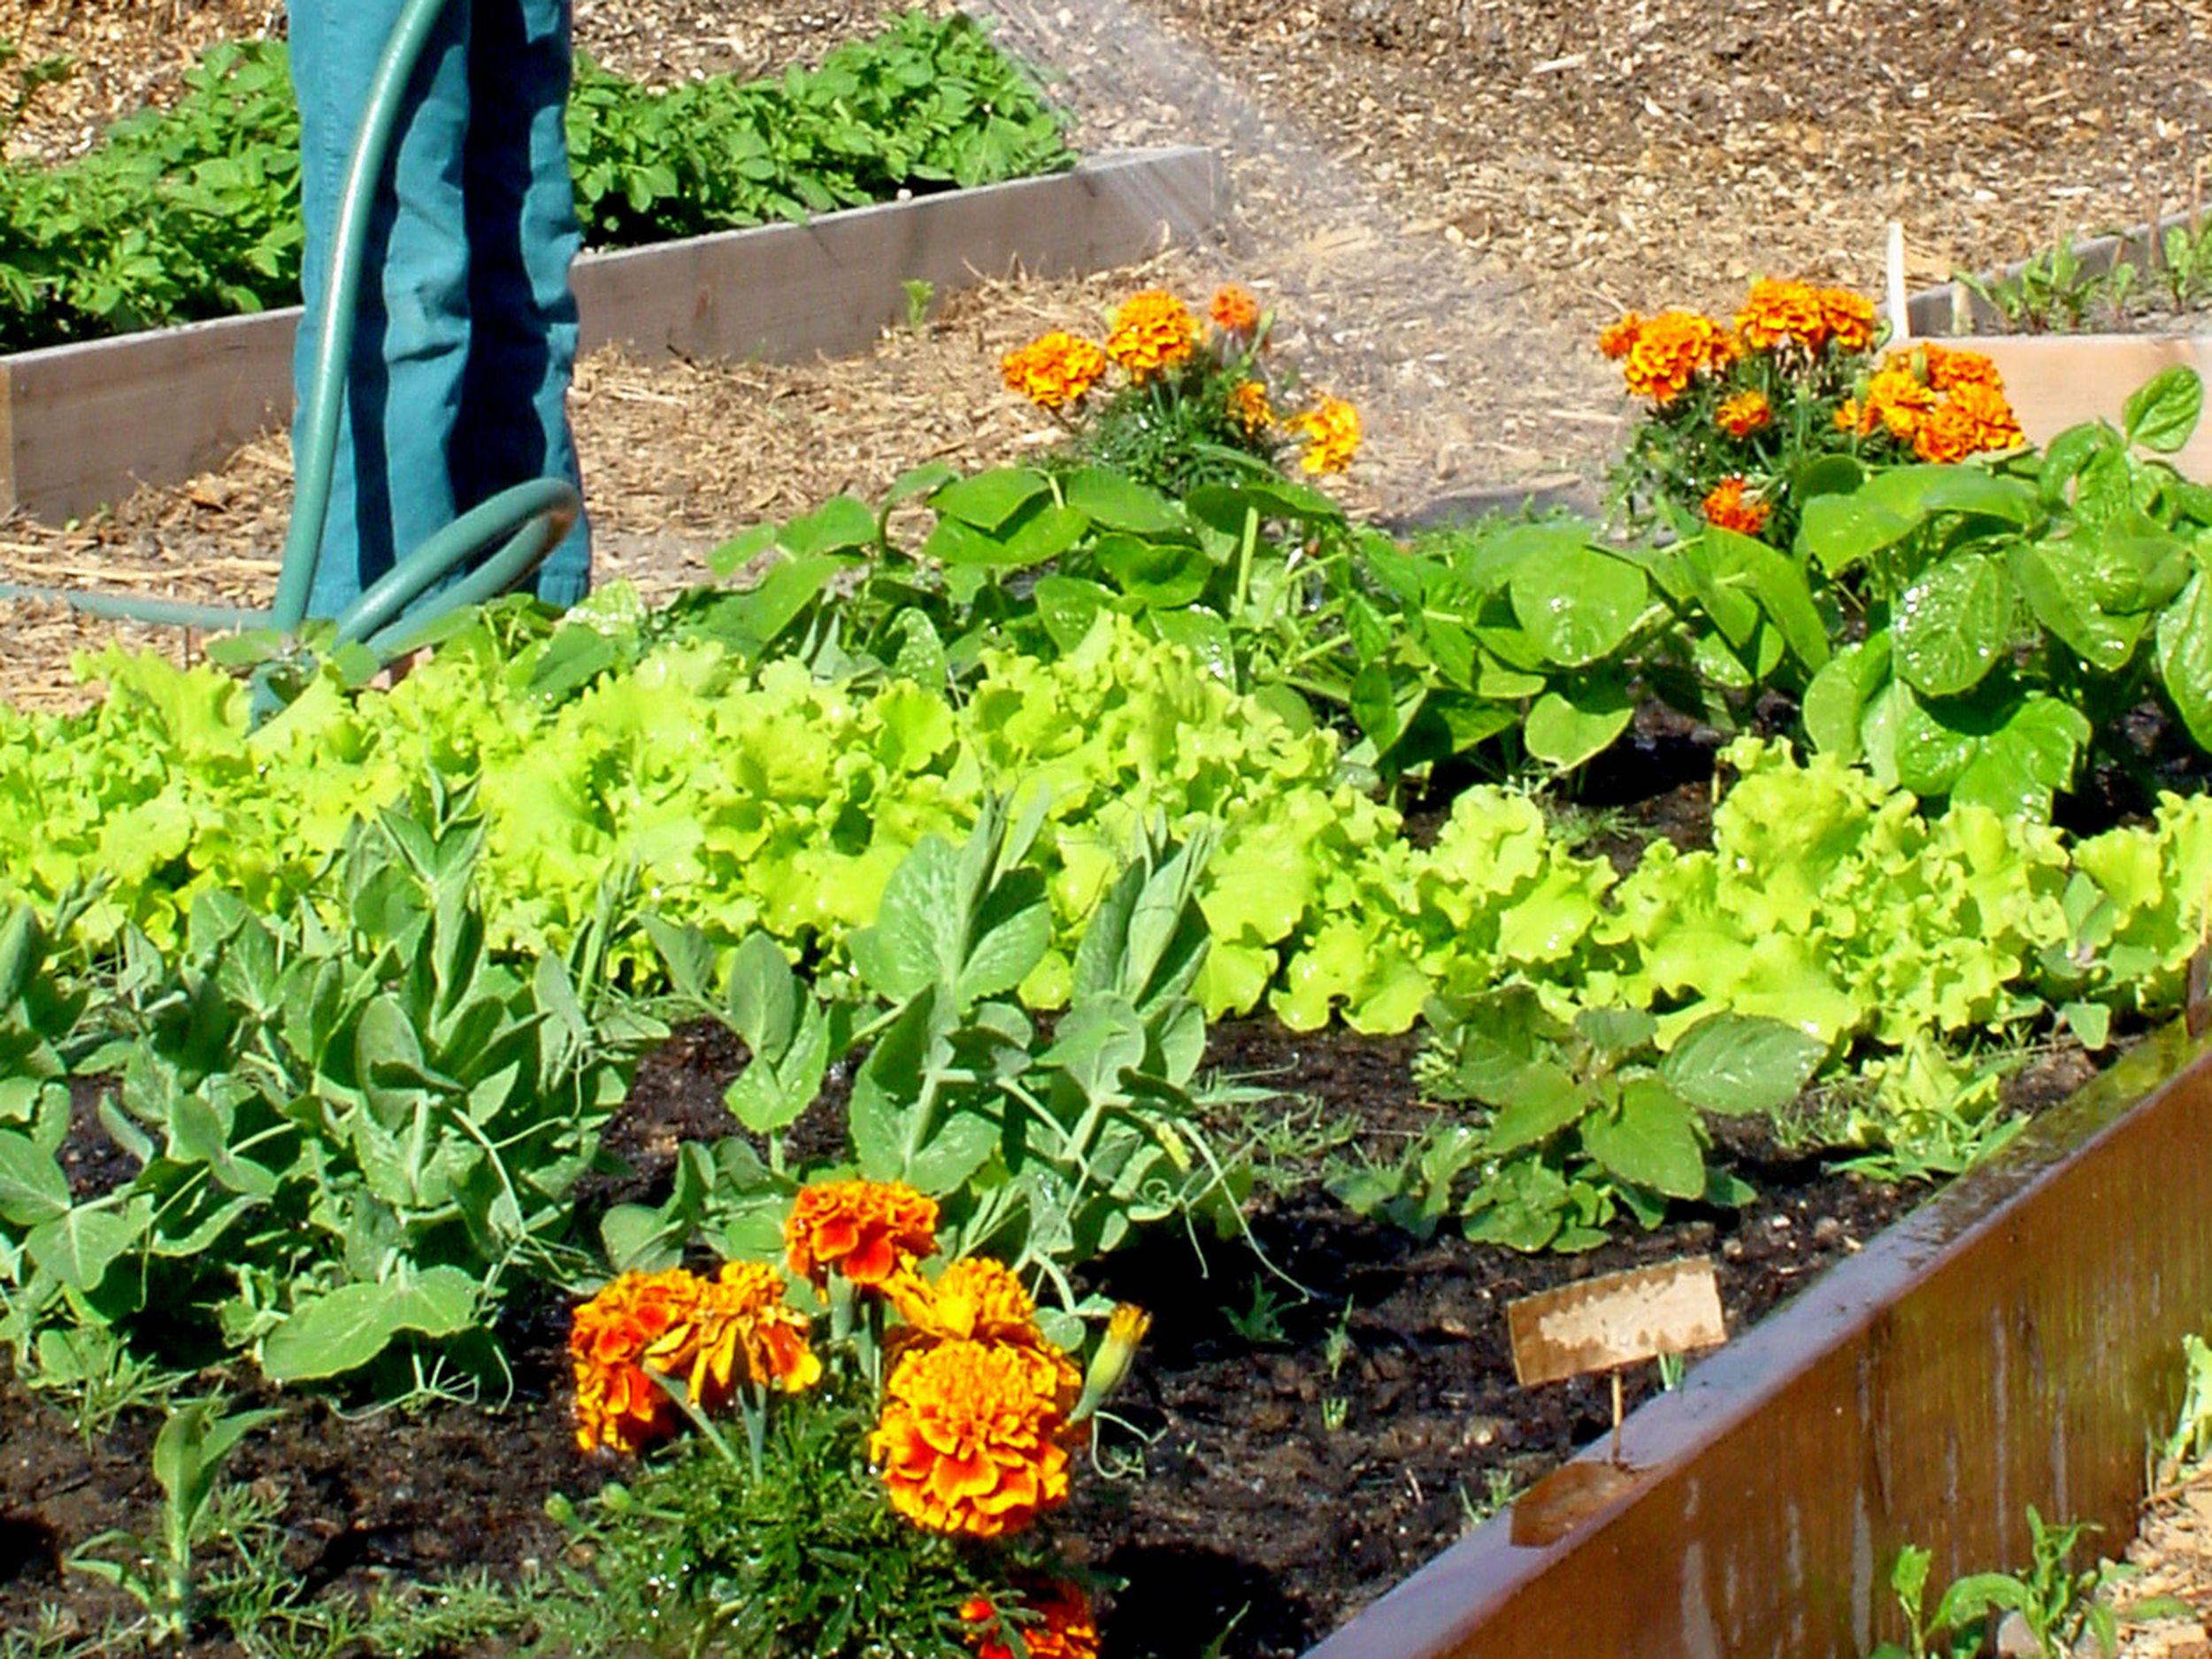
196	1439
1583	1121
2013	616
2052	290
348	1134
1048	1150
193	211
2184	264
2049	1602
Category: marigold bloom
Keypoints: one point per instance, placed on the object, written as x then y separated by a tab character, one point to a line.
1617	340
1671	347
1332	432
1727	506
1777	313
609	1337
866	1230
1995	426
1152	330
738	1326
1848	318
1249	407
966	1444
1895	401
1064	1627
1054	369
975	1299
1947	369
1233	309
1744	413
1846	416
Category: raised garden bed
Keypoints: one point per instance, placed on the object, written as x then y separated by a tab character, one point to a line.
81	424
2014	1342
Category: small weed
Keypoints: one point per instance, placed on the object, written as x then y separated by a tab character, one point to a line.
920	293
1499	1489
1335	1411
1260	1323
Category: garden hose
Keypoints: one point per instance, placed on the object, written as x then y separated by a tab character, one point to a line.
523	524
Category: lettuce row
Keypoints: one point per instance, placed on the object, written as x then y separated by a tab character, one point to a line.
766	799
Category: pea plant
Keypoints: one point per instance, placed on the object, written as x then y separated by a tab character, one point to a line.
1044	1148
346	1134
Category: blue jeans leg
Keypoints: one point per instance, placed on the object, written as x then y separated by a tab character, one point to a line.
523	234
392	487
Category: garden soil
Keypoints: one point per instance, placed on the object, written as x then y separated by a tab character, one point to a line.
1444	199
1317	1411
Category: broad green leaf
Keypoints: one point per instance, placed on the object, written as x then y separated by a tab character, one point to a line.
1578	605
32	1188
1068	606
332	1334
840	523
1159	572
1950	626
1541	1100
2162	414
1650	1139
1735	1063
987	500
2063	585
1204	635
79	1246
1576	720
438	1302
1119	503
955	1150
1929	751
1838	531
2185	657
1224	506
1836	699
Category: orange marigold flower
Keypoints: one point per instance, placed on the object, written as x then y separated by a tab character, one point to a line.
738	1326
1670	349
1995	426
609	1337
966	1443
1727	506
1778	313
1944	433
1233	309
1744	413
1846	417
1947	369
1152	330
1064	1628
1895	400
1054	369
866	1230
1331	431
975	1299
1615	342
1848	319
1248	406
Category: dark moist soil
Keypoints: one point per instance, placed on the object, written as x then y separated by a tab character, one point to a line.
1275	1479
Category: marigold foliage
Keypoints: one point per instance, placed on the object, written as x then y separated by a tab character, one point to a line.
972	1439
865	1231
1064	1628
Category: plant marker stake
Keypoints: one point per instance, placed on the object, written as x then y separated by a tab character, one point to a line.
1613	1321
1900	317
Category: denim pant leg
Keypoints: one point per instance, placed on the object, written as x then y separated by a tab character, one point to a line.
522	235
392	487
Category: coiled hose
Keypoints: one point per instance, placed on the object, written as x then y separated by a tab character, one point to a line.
521	525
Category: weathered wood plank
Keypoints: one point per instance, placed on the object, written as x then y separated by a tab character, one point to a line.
81	424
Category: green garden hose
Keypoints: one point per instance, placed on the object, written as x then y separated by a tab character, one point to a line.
523	524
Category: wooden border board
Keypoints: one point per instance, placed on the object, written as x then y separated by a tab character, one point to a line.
82	425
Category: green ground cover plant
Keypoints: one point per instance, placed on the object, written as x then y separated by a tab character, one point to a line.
193	212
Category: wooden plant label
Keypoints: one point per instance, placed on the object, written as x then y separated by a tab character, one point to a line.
1606	1323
